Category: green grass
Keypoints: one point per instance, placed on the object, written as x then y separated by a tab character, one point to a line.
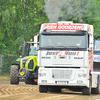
4	77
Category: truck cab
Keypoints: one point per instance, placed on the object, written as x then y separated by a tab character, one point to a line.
66	62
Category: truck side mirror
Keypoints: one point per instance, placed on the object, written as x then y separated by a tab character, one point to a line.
20	48
91	37
36	41
89	49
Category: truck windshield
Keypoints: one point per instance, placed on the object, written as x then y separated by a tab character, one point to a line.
68	41
32	51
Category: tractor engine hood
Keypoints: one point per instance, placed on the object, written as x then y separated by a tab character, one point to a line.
29	63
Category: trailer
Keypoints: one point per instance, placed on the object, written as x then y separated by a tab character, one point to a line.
96	56
65	58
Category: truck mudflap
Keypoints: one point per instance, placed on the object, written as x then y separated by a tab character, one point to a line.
95	81
96	63
96	66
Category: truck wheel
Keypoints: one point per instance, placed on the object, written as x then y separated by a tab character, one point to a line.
13	74
55	89
43	89
97	89
86	90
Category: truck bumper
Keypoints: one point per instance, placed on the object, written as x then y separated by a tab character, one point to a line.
64	83
63	76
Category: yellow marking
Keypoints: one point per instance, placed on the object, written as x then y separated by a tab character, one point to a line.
21	73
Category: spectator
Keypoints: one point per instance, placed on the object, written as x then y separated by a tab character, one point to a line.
49	41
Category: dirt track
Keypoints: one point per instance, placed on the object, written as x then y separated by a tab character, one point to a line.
30	92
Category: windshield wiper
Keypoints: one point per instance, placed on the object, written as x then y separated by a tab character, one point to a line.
60	47
47	47
74	47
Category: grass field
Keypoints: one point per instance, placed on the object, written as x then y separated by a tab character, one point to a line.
4	77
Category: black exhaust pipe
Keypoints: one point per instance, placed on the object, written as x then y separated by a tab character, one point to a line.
23	53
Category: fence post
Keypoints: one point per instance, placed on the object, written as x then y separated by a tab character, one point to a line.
1	63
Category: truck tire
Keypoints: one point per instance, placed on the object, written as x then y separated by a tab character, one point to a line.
55	89
86	90
97	89
13	74
43	89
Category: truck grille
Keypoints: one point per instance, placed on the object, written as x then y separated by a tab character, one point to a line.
61	74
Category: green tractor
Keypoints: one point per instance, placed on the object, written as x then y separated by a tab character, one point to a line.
18	60
25	69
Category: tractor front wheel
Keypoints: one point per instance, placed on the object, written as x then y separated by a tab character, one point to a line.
14	74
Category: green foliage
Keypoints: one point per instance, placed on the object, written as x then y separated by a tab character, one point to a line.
7	61
73	11
87	11
93	16
20	20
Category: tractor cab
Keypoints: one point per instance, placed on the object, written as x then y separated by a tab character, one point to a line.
26	68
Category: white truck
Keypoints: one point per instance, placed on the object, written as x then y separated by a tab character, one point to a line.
65	58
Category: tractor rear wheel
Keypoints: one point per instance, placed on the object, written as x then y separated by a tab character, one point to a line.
29	81
13	74
35	81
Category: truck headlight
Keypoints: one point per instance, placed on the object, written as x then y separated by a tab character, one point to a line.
82	75
42	74
44	81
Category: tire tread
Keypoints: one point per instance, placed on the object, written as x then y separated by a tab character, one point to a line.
13	74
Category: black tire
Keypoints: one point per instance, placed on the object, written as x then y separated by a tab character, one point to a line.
97	89
43	89
35	83
29	81
86	90
13	74
55	89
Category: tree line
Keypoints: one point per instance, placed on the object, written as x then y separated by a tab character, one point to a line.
21	19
